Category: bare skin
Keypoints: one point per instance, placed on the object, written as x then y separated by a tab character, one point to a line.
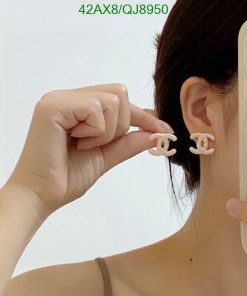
207	257
75	136
210	263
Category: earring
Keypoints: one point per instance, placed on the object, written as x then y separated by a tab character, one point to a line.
162	144
202	143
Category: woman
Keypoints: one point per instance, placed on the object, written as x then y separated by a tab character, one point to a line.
195	91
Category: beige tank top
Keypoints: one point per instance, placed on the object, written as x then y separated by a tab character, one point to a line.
105	275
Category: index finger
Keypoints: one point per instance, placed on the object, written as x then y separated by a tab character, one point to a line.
151	111
146	119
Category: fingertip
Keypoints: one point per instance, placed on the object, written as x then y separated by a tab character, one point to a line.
233	205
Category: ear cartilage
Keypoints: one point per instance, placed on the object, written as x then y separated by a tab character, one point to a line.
162	144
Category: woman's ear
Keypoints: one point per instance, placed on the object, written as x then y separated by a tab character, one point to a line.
195	99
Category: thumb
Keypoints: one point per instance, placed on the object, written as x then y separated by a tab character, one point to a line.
126	147
237	208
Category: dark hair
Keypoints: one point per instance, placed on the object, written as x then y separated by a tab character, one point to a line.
200	38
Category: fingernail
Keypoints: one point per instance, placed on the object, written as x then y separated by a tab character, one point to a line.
165	126
234	205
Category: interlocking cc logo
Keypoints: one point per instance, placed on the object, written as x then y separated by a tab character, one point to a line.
162	144
202	143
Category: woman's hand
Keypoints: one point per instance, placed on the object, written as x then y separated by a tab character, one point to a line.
97	119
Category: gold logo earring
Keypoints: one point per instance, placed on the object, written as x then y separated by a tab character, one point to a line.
201	140
202	143
162	144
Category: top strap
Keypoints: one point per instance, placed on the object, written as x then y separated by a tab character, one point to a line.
106	276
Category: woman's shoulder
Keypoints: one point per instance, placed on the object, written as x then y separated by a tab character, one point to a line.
136	272
144	269
61	279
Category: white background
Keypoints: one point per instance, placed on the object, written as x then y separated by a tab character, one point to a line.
48	45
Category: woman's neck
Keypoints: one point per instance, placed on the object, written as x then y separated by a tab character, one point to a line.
211	239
